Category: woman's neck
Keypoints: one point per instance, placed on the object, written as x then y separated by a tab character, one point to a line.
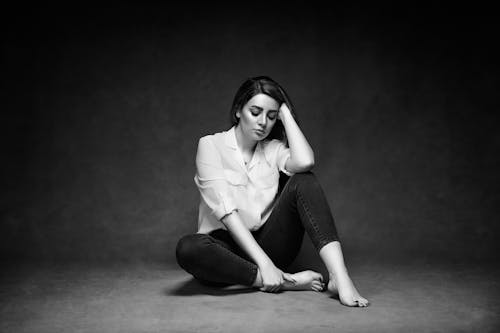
245	144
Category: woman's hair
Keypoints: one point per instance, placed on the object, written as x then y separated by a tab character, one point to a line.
262	85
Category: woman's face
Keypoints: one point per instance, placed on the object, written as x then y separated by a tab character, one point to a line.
258	116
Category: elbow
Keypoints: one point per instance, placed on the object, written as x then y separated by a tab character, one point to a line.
301	165
309	165
305	165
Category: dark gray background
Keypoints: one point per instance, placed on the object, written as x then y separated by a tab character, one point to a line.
102	109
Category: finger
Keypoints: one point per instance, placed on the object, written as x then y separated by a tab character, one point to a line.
281	276
266	288
289	277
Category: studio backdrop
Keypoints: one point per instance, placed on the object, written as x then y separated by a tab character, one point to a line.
102	110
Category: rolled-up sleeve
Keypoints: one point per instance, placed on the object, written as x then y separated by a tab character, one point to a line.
282	155
210	179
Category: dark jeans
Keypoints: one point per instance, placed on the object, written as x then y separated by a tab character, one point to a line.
216	259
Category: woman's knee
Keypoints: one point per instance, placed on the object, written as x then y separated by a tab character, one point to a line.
188	249
304	179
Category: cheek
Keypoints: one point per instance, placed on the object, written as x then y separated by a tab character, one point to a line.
247	119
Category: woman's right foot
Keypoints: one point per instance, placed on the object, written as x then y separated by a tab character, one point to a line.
348	294
305	280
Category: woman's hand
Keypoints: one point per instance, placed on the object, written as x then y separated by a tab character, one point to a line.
273	278
283	111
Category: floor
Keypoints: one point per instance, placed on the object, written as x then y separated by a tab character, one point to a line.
160	298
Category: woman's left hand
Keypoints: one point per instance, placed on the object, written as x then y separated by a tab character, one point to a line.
283	110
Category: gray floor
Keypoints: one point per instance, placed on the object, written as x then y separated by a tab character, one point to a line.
154	298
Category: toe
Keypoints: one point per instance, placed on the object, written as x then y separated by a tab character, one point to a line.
317	287
362	302
317	276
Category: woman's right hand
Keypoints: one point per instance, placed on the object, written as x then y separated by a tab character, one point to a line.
273	278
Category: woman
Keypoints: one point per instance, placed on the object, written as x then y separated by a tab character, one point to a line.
248	231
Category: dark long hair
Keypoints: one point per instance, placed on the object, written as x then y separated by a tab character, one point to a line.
262	85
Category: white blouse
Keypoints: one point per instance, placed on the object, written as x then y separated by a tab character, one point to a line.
226	183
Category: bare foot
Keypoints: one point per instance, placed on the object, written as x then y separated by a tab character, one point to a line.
306	280
348	294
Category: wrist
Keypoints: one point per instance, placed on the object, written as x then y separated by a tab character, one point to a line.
264	263
286	116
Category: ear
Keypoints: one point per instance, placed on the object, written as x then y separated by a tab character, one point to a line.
238	114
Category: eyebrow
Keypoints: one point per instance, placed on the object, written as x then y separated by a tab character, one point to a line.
260	109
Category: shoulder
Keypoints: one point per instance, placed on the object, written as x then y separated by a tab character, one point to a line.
211	141
213	137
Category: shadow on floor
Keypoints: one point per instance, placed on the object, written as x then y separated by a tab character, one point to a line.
194	287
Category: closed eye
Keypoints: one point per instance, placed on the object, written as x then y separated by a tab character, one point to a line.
257	111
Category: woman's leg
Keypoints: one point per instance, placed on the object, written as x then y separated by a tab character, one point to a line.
282	234
213	259
217	260
301	206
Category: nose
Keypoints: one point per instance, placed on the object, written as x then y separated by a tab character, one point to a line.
262	120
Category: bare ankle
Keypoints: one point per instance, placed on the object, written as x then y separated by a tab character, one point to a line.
258	280
341	276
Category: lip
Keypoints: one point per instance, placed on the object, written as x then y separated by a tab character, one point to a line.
260	132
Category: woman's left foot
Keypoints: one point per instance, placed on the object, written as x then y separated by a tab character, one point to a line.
348	294
305	280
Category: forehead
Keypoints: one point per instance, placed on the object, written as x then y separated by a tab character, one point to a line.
263	101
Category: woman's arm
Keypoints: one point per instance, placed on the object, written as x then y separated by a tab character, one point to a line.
272	277
301	154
